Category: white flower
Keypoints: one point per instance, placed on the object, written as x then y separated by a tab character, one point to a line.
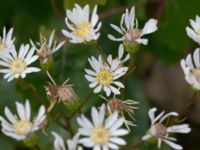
81	28
120	60
45	50
191	69
21	127
161	132
71	144
104	76
131	33
101	133
195	32
6	41
16	65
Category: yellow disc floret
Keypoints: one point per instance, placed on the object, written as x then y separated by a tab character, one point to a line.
100	135
2	46
17	66
83	30
22	127
196	73
198	32
105	77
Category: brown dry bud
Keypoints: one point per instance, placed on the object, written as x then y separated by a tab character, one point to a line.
44	53
66	93
51	91
116	105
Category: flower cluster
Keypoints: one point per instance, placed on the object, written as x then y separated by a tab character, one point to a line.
111	121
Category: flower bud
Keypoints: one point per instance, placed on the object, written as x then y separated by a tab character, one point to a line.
66	93
31	141
131	47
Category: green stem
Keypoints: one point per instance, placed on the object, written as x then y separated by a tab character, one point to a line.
136	146
131	68
26	85
100	50
80	106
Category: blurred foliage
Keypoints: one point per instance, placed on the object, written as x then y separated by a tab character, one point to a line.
69	4
30	17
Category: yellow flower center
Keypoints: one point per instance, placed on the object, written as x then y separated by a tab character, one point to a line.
83	30
196	73
198	32
104	77
100	135
22	127
2	46
17	66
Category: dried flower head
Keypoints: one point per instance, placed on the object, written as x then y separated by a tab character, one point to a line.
57	93
122	107
46	49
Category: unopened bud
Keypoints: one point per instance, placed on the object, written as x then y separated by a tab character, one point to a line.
131	47
116	105
31	141
51	91
66	93
44	53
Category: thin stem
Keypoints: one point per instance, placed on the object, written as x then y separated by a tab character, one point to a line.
137	145
113	11
49	109
55	10
131	68
66	127
67	120
80	106
100	50
71	131
26	85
